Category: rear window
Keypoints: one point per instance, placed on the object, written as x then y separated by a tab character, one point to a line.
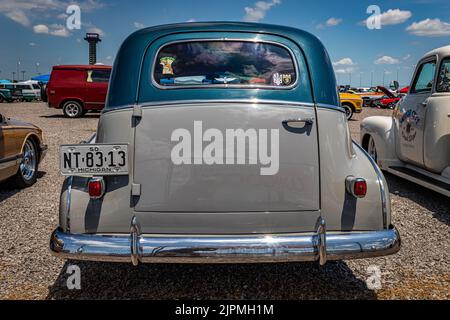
225	63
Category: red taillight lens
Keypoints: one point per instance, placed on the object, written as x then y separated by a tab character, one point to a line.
357	187
360	188
96	188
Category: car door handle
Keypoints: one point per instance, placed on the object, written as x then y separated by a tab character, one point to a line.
307	121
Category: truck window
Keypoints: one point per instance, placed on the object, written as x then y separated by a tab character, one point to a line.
443	84
425	77
224	63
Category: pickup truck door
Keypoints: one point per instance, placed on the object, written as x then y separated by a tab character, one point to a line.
411	116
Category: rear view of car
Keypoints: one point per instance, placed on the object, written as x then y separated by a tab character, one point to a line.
78	89
219	144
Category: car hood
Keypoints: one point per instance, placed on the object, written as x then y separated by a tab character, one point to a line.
386	92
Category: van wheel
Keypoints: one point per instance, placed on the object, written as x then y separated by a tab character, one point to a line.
72	109
27	174
348	111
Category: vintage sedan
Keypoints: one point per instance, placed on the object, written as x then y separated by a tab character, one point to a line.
222	142
21	151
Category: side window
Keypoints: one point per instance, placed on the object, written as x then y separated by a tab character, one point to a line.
425	77
443	84
98	76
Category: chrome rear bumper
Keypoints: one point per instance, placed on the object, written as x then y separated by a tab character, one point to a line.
136	248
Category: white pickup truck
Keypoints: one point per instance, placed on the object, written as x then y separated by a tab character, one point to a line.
415	142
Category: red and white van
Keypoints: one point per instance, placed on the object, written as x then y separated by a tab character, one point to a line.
77	89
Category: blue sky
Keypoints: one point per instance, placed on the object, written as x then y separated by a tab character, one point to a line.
34	32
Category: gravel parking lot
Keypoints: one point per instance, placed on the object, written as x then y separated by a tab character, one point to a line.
28	271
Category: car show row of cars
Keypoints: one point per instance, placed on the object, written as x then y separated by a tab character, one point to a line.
307	193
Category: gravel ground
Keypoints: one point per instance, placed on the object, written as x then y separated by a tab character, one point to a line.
27	270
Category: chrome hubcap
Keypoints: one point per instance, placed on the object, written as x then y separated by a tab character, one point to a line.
28	164
372	150
72	110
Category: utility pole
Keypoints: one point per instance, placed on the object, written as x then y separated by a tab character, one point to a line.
384	75
23	75
18	69
371	79
350	79
37	69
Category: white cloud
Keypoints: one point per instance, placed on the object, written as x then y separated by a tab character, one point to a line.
344	62
392	17
406	57
387	60
430	28
333	22
18	16
32	44
192	20
138	25
259	11
57	30
345	65
40	28
32	12
395	16
93	29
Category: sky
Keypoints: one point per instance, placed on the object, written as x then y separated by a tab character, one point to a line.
35	33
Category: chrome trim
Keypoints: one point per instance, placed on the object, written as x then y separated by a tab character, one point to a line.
68	201
330	107
206	101
136	250
322	241
225	86
380	179
224	249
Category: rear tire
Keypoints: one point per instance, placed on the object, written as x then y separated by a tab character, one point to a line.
1	99
73	109
26	175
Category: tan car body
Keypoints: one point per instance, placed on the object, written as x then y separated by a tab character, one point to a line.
13	135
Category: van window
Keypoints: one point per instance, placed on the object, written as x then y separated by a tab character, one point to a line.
220	63
99	75
443	84
36	86
425	77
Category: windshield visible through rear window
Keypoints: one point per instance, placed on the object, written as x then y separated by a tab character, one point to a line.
225	63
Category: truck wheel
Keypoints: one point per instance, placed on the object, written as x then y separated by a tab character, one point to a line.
72	109
371	149
348	111
27	174
1	99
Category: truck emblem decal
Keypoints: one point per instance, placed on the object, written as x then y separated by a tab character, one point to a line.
287	79
408	122
233	147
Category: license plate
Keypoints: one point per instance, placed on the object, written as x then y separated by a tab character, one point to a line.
94	159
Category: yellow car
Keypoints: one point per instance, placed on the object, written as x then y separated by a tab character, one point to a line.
352	103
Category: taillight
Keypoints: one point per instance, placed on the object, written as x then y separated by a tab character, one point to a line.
96	187
357	187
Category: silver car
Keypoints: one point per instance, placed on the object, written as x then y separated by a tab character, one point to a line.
222	142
